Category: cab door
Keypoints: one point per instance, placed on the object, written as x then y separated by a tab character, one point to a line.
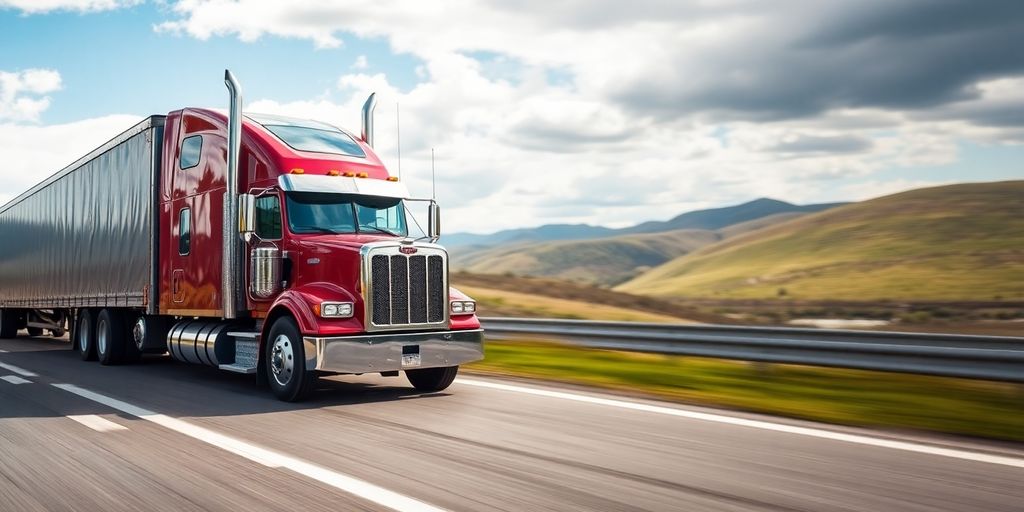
197	201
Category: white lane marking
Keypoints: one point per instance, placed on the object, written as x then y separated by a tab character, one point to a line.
345	483
14	379
763	425
20	371
97	423
2	351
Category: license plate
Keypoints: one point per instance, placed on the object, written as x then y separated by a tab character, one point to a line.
412	360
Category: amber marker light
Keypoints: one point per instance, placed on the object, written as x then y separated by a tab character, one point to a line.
298	171
333	172
392	178
348	174
362	175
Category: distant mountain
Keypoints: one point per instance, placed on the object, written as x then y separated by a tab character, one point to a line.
957	242
718	218
713	219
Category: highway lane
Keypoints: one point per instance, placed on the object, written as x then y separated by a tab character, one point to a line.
363	443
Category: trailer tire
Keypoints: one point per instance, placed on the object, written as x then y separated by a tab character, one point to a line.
284	357
111	337
85	334
8	324
432	379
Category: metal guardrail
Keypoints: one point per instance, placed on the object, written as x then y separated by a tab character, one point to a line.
952	355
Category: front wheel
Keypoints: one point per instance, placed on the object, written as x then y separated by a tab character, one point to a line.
284	358
432	379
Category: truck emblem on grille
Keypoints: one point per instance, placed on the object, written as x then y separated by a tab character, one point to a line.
408	249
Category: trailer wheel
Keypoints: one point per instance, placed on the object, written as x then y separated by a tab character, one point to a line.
111	337
8	324
85	335
284	358
432	379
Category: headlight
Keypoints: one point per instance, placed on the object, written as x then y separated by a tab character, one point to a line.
463	307
336	309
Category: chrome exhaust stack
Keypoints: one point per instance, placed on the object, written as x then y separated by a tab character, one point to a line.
229	265
371	103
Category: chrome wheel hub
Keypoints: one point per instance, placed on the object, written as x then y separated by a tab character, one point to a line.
282	359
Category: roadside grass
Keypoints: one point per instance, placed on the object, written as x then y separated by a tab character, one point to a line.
492	302
850	397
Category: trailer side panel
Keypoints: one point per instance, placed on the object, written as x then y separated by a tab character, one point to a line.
85	236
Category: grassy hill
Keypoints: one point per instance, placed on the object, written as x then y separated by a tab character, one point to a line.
606	261
958	242
500	295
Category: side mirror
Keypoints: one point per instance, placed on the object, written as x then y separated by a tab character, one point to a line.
246	216
434	222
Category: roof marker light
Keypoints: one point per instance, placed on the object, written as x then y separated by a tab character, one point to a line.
362	175
333	172
392	178
298	171
348	174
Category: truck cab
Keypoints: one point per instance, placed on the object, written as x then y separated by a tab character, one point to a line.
333	273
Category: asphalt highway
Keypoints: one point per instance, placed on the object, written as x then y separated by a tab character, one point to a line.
161	435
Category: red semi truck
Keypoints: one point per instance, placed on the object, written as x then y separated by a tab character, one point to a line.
251	243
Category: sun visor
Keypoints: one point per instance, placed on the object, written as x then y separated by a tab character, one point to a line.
342	185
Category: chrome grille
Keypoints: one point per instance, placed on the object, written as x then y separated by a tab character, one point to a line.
406	290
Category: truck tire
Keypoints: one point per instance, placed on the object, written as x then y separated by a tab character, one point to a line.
284	358
35	331
85	334
432	379
8	324
111	337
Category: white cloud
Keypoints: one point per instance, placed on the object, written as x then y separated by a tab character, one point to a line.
20	93
32	152
609	113
44	6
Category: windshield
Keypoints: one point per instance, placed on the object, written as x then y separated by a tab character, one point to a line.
310	212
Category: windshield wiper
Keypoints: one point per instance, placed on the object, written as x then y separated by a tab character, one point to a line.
316	229
380	230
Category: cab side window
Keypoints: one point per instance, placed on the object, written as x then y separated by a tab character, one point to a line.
184	231
268	217
191	151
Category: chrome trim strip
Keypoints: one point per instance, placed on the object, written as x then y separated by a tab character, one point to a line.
343	185
383	352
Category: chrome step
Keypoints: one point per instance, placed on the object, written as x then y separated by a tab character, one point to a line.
246	353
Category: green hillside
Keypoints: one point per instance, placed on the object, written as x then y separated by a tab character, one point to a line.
957	242
605	261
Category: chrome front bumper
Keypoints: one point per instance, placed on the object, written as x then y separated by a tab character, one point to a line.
394	351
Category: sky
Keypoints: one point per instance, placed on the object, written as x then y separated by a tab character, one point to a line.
539	112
